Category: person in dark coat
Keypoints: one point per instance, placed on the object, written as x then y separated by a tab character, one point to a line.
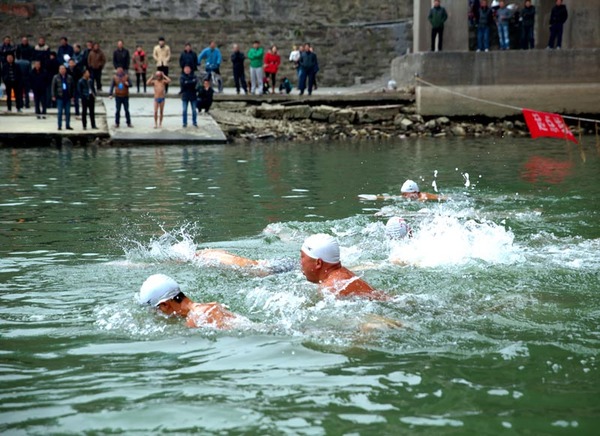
7	48
188	57
308	65
64	49
39	84
239	77
87	93
205	96
76	73
13	80
121	57
527	19
62	92
52	65
558	17
188	82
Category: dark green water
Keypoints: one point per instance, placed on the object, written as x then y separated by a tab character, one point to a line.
498	290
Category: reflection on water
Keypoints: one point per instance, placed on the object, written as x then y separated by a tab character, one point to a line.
496	290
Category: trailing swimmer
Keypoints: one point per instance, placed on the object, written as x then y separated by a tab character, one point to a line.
258	267
163	293
320	263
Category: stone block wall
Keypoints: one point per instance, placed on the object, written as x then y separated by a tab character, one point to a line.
346	48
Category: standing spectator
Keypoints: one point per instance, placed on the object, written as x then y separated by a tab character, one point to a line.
527	21
52	67
213	63
39	83
188	82
316	69
86	54
205	97
25	67
188	57
76	73
483	26
121	57
78	56
87	93
64	49
558	17
96	61
308	65
62	92
256	55
13	80
437	17
120	84
25	54
237	60
272	62
7	48
25	51
159	81
295	59
42	53
503	15
162	56
140	65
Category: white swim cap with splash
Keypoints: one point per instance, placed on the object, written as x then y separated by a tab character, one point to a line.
409	186
158	288
322	246
396	228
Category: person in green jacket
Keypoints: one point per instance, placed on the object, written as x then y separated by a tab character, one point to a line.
256	55
437	17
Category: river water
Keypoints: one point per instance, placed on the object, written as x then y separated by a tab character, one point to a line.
497	290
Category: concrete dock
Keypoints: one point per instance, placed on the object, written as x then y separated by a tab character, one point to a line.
25	126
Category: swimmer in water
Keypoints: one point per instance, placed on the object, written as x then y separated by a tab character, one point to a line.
320	263
408	190
163	293
397	229
260	268
411	191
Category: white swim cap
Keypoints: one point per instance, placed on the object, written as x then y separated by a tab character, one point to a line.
322	246
396	228
409	186
158	288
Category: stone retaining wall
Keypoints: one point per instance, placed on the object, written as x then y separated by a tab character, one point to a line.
346	49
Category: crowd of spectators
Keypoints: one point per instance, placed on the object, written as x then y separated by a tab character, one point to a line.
71	75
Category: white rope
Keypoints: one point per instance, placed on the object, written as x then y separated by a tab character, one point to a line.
495	103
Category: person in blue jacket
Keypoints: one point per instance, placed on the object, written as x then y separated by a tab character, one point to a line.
213	59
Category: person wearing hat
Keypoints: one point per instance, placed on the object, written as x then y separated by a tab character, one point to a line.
163	293
410	190
320	263
397	229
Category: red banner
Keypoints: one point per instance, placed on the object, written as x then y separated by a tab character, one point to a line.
547	124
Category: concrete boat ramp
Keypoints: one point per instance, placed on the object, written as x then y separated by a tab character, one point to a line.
25	128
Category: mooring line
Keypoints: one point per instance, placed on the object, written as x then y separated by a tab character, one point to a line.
495	103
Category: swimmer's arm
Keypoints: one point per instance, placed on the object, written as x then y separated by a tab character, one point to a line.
166	78
226	258
150	81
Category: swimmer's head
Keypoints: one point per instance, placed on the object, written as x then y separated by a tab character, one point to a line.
322	246
318	251
396	228
409	187
157	289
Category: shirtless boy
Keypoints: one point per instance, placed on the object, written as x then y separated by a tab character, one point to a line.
159	80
